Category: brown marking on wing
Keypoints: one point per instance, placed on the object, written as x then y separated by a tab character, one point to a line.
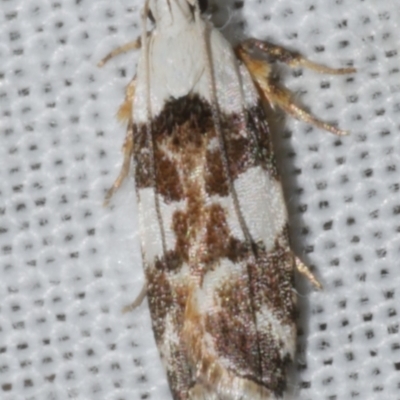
168	179
216	184
273	283
160	297
217	236
186	127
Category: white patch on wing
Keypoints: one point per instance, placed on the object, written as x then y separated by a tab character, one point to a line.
150	229
178	67
262	205
225	271
267	322
213	144
250	93
149	226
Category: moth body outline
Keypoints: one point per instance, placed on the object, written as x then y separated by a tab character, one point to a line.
213	221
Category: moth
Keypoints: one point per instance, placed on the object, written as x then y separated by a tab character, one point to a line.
213	222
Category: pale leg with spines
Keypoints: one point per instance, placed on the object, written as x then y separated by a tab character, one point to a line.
305	271
276	95
134	45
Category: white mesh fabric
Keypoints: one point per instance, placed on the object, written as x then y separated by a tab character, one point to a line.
68	265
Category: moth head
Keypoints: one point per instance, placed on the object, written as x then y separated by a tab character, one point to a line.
171	12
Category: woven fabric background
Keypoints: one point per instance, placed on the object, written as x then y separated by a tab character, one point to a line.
69	265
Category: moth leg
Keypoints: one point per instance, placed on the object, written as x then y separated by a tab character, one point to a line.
125	110
291	58
124	113
276	95
127	150
137	302
304	270
135	45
